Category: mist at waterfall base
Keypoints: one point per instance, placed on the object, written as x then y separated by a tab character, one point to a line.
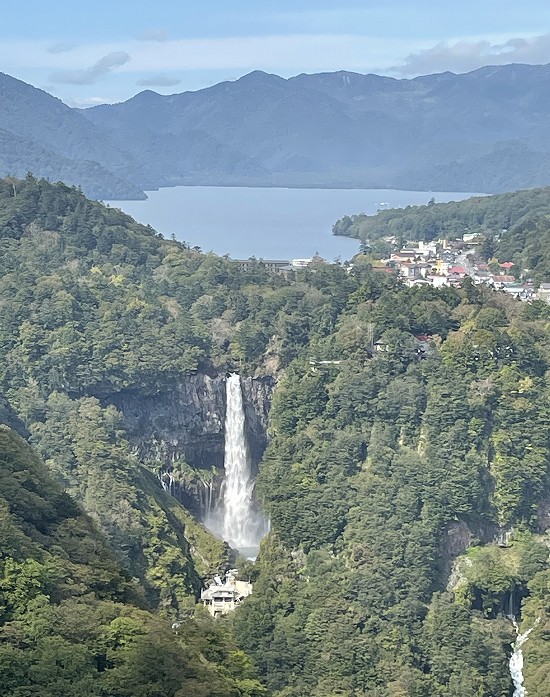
238	520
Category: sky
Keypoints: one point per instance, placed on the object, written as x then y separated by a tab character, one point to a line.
88	53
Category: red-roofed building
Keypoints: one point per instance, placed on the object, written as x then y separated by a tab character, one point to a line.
501	278
507	265
382	266
456	271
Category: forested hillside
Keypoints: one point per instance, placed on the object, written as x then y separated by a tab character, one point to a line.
380	473
72	623
407	482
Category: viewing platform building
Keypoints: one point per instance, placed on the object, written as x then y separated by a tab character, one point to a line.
221	598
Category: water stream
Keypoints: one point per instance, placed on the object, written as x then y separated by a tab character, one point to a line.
516	659
238	484
237	519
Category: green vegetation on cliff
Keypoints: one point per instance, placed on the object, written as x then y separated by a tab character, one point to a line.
73	624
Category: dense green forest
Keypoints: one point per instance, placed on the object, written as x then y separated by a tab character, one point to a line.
389	476
73	623
380	471
516	226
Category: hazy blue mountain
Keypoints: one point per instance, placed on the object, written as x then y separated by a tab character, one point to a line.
349	129
488	130
509	166
19	155
40	133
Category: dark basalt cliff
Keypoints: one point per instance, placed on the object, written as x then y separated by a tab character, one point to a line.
257	394
187	423
183	422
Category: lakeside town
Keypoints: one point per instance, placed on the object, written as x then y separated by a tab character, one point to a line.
438	263
448	262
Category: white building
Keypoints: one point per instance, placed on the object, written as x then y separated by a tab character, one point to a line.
300	263
471	236
220	597
437	280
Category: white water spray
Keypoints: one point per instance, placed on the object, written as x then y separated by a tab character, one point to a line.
516	659
242	526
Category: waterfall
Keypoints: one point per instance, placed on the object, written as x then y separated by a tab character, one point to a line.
242	526
206	493
516	659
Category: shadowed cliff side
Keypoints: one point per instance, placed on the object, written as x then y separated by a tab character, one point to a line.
180	432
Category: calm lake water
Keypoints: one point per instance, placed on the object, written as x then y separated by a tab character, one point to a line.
267	223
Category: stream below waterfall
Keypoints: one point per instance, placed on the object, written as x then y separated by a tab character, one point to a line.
516	659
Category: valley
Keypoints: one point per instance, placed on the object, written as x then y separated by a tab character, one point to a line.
275	349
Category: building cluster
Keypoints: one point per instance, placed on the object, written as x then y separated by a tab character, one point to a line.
275	265
438	263
448	262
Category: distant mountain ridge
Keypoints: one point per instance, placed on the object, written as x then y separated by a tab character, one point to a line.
39	133
486	130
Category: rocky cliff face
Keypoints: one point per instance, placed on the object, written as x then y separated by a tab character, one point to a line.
257	394
187	423
183	422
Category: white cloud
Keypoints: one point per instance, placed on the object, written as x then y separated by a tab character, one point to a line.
159	35
88	76
462	56
158	81
88	101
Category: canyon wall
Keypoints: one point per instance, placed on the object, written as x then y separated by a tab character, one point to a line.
186	423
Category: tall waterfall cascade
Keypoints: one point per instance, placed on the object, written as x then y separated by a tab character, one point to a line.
516	660
238	520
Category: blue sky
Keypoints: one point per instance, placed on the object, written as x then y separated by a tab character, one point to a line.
92	52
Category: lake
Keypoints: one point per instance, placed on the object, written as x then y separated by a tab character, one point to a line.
268	223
